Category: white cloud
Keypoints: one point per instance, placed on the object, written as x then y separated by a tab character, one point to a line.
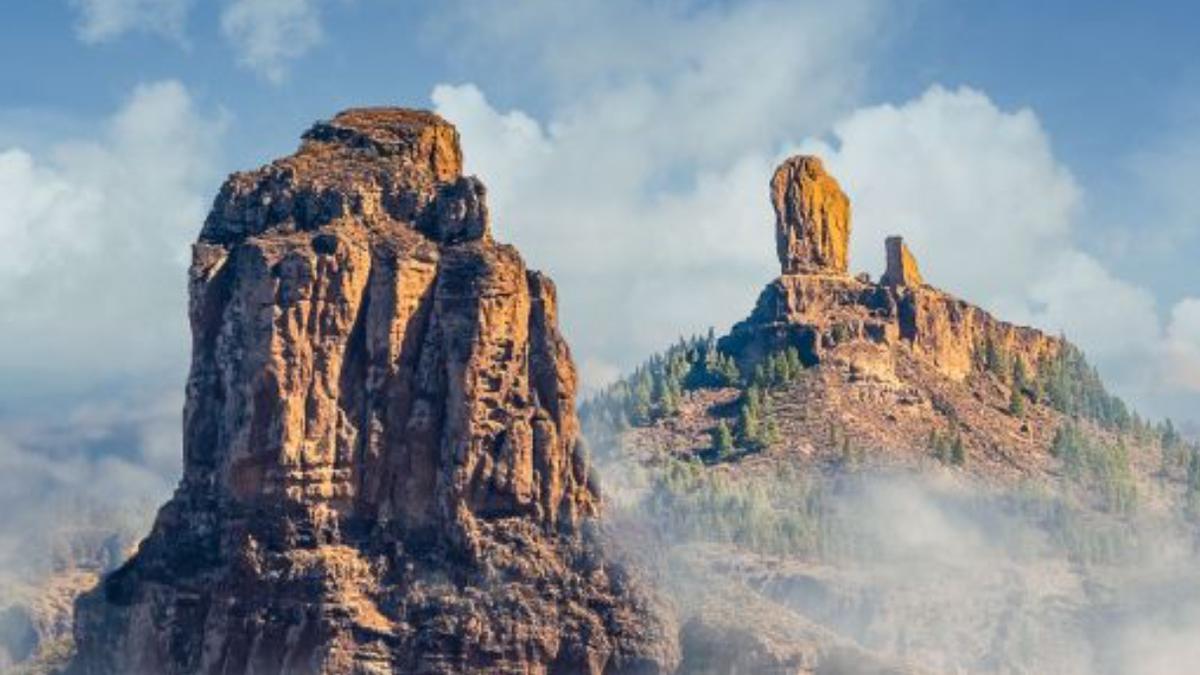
643	190
104	20
92	273
93	336
269	34
1183	345
957	177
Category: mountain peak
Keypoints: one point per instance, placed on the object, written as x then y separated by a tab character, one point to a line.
422	136
380	426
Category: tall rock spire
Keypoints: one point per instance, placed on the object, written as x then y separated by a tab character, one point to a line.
812	218
382	469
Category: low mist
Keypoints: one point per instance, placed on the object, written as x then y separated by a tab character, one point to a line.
932	570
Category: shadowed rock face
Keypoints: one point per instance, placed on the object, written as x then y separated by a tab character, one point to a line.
382	470
812	218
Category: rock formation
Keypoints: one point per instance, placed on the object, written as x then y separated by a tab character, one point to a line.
815	306
901	265
812	218
382	470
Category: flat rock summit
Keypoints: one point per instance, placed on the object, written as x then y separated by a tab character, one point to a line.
382	462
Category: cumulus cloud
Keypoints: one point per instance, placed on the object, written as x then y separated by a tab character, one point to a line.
96	232
642	189
270	34
104	20
1183	344
93	334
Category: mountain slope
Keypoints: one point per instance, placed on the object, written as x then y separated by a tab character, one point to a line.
897	469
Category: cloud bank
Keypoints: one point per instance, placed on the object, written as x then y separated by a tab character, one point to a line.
93	282
92	274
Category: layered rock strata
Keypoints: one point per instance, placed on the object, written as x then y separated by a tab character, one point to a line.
382	466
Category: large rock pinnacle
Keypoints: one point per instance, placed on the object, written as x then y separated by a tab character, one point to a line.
812	218
382	467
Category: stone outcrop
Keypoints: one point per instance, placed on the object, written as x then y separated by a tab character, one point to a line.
816	307
382	470
902	267
812	218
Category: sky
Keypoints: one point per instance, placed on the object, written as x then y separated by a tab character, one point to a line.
1040	158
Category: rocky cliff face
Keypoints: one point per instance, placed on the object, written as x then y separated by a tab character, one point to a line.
812	218
382	470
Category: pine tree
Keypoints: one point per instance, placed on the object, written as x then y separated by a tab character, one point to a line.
849	456
1016	402
641	403
1191	504
722	440
770	431
747	426
940	446
1020	374
958	451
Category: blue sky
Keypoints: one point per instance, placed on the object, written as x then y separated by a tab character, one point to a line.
1040	157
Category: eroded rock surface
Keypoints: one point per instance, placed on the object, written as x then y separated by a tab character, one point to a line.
382	470
816	307
812	218
902	267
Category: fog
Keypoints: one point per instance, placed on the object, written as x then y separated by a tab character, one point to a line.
78	488
925	569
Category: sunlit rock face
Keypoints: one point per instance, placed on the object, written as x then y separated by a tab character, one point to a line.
382	467
812	218
816	307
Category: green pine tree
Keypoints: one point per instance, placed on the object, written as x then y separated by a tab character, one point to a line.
958	451
1016	402
748	426
722	440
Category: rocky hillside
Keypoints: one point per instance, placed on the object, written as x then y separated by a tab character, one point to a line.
880	466
381	465
828	366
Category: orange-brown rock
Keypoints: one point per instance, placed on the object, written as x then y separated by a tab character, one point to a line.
819	313
382	469
901	265
812	218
